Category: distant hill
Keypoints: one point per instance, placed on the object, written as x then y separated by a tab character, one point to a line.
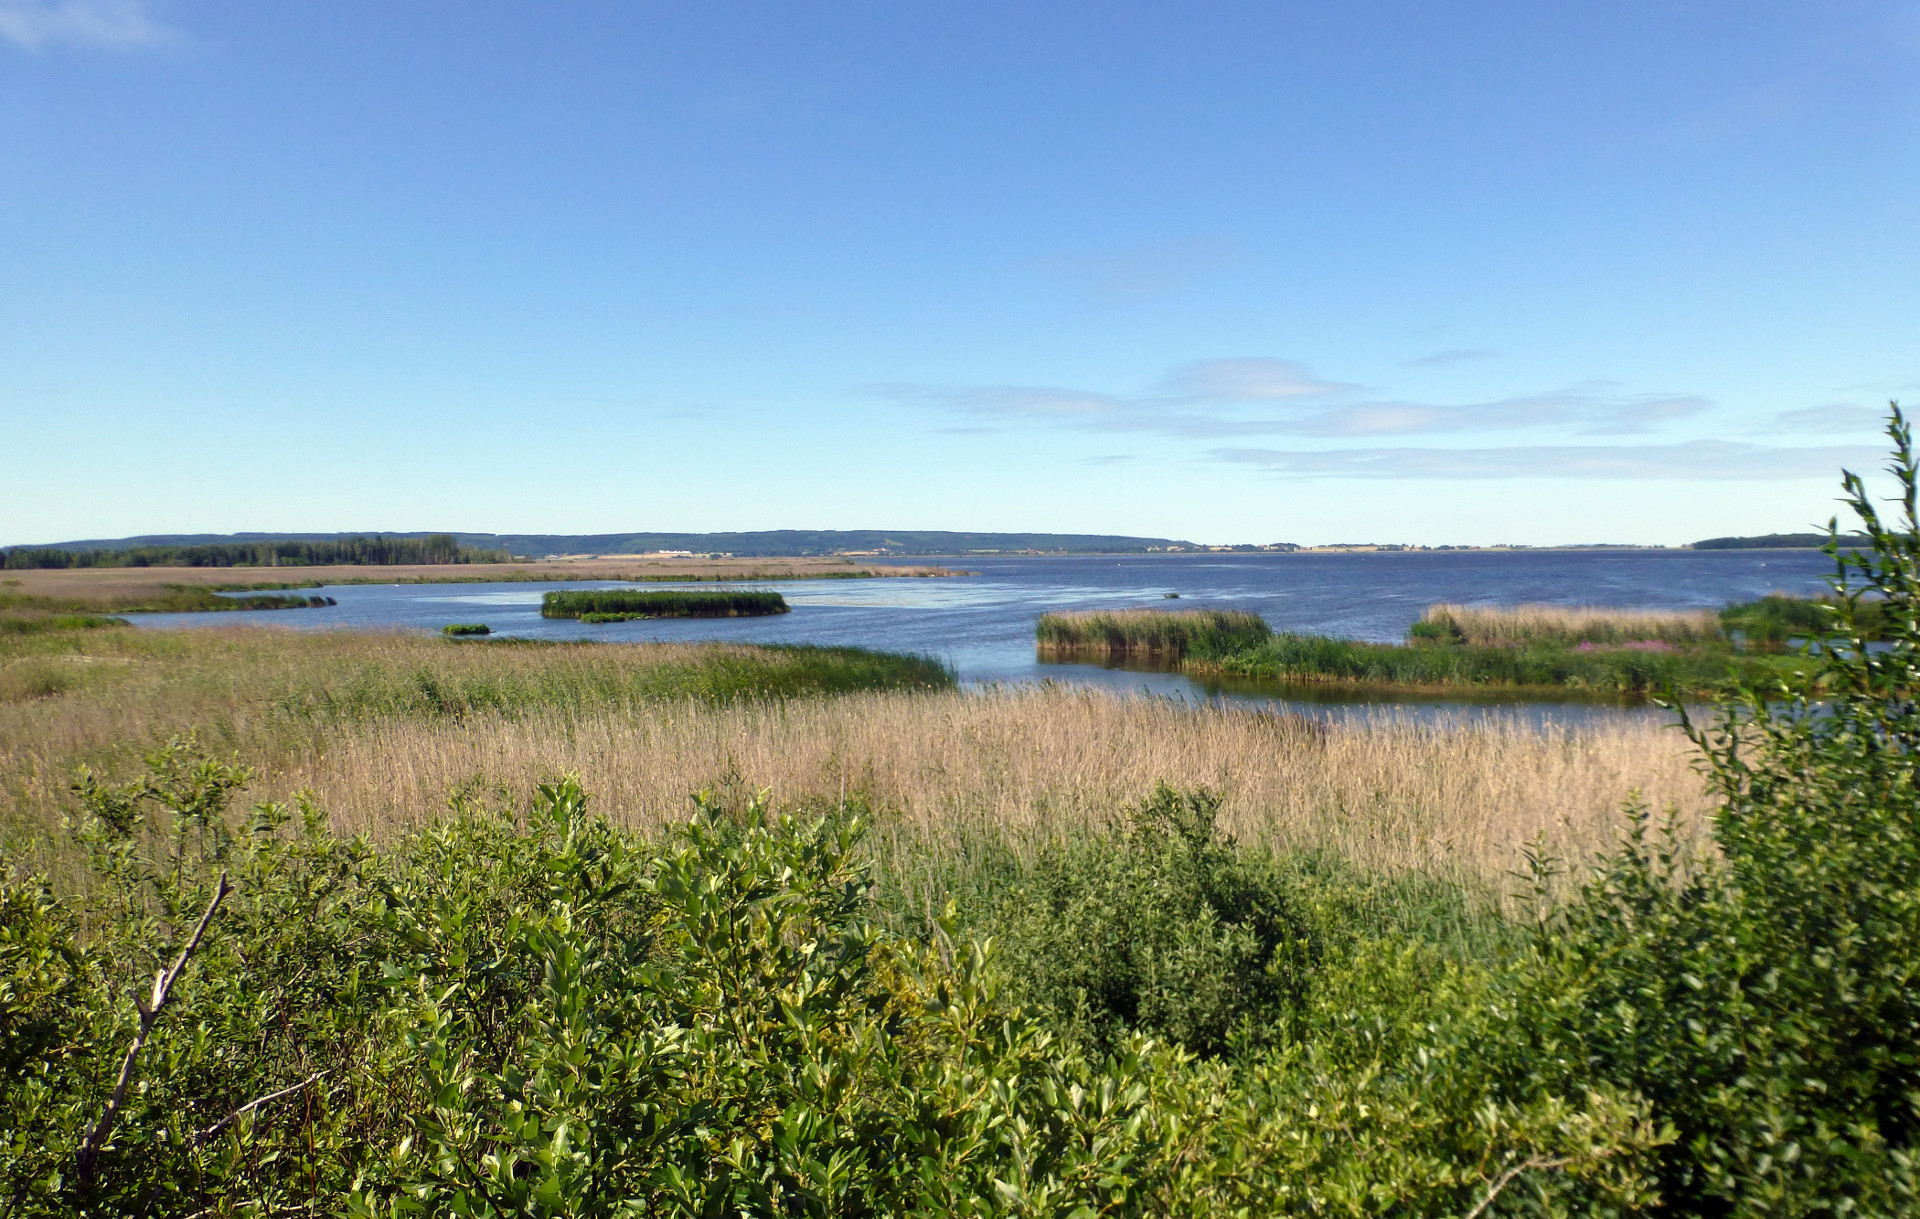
1778	541
767	543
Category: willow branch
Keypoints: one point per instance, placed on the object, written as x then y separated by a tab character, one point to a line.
149	1013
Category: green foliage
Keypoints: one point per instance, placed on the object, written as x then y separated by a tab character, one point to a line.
466	628
553	1017
1173	633
1165	927
621	604
1774	623
1601	670
1768	1003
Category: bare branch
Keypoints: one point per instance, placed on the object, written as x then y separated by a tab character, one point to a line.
220	1125
87	1160
1506	1179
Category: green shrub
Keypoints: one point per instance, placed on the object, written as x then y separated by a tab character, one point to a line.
1768	1001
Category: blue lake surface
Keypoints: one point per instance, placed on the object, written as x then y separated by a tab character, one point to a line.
982	624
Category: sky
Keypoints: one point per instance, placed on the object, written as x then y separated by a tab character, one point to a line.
1474	273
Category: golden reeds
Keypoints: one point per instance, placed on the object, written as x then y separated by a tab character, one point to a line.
1522	624
1018	764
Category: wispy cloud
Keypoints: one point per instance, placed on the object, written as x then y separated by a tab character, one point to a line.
1453	355
1692	460
105	24
1254	395
1834	417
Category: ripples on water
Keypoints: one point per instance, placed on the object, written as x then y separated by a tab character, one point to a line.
983	624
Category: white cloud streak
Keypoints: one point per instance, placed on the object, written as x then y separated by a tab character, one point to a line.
1252	396
1689	461
100	24
1835	417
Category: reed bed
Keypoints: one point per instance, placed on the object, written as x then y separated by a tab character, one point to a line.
1024	766
1170	633
384	727
621	604
1487	626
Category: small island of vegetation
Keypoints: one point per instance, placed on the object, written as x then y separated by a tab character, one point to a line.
623	605
1590	649
466	628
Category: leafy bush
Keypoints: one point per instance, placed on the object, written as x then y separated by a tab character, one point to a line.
560	1019
1768	1002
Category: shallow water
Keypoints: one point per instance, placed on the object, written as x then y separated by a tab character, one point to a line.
982	624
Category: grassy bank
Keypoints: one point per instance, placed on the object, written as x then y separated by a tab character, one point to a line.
620	605
1147	632
1312	658
163	599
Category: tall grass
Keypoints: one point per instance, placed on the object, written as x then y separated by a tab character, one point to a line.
615	604
1484	626
384	727
1169	633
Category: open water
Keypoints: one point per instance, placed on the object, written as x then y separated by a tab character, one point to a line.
982	624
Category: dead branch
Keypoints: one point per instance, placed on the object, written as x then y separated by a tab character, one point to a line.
89	1156
251	1105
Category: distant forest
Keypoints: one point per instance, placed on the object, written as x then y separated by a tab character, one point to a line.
496	547
354	550
1778	541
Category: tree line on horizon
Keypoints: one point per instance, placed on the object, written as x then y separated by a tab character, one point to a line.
357	551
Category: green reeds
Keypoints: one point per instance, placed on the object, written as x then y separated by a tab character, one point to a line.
1311	658
466	628
621	604
1773	622
1170	633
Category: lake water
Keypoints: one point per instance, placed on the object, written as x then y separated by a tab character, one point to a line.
983	624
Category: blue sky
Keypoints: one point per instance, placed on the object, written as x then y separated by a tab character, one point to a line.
1470	273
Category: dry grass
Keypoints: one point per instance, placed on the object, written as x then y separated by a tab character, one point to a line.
1030	764
125	584
339	713
1522	624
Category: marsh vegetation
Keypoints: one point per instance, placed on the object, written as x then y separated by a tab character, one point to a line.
622	604
913	950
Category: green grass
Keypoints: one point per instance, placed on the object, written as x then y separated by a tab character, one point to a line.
168	599
1170	633
1603	671
620	604
34	622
